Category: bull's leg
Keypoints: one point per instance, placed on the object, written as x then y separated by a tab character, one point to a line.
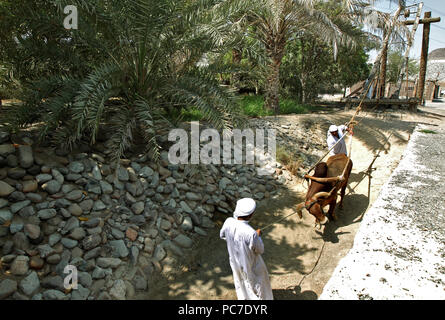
331	212
342	194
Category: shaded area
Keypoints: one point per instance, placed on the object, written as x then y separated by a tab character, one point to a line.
292	246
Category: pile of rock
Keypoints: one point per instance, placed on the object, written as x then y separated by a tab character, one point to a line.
117	226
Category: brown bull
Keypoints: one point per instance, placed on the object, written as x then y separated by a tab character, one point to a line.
329	177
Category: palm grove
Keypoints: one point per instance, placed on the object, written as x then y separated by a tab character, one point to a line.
142	66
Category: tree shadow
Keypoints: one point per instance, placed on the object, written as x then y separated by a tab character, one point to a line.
207	265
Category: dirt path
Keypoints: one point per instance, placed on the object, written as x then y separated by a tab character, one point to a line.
300	258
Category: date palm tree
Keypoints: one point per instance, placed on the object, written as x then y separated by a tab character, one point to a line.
154	67
277	22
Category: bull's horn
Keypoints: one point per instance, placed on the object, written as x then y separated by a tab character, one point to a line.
321	195
323	180
300	207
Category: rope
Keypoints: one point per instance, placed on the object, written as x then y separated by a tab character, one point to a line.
351	122
281	219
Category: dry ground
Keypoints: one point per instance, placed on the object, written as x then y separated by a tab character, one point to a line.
299	257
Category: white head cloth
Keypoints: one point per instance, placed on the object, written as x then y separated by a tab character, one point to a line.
244	207
333	128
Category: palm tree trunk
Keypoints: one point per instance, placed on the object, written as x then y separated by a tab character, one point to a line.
272	98
380	92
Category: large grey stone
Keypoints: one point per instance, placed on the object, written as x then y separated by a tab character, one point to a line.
93	253
93	187
16	207
183	241
91	241
106	187
7	288
119	290
6	149
85	279
46	214
57	176
5	189
69	243
20	266
53	282
122	174
76	167
30	284
117	234
3	203
26	157
100	273
32	231
118	249
77	234
81	293
44	177
54	238
193	196
16	224
4	136
16	173
52	186
74	195
109	262
54	295
70	225
5	216
187	224
138	207
45	250
146	172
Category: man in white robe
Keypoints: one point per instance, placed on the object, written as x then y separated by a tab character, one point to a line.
336	133
245	248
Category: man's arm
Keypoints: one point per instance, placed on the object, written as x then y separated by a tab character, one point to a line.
256	244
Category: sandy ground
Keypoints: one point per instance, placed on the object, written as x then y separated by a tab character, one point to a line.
299	257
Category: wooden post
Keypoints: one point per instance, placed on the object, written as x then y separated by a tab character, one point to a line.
424	57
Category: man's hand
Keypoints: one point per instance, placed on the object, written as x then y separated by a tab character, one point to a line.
258	232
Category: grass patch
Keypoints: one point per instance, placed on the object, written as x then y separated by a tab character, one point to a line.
428	131
253	106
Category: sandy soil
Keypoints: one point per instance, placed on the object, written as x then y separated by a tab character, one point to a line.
299	257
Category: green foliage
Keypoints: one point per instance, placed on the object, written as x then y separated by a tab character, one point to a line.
145	72
253	106
322	68
395	63
428	131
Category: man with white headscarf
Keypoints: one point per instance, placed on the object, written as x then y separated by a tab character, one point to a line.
245	248
336	133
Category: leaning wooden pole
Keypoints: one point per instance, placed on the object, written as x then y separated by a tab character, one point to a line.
424	58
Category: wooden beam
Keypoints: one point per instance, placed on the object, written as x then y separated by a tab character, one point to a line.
422	21
424	57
